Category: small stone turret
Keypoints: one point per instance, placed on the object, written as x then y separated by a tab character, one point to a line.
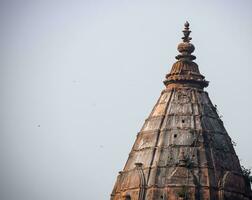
183	151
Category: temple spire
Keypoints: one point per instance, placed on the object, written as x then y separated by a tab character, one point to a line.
182	150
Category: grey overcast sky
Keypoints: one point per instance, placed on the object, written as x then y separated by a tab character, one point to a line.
78	79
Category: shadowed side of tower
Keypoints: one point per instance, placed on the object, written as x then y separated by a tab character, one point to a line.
183	150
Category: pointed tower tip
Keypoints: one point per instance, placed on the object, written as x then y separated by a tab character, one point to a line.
187	24
186	32
186	48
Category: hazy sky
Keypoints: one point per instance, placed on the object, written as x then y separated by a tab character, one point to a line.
78	79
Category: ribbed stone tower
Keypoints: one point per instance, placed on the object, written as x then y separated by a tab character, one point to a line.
183	150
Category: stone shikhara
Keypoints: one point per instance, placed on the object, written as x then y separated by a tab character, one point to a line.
183	150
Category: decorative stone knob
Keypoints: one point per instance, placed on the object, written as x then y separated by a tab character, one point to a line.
186	47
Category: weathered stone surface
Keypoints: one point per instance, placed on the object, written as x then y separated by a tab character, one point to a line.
183	150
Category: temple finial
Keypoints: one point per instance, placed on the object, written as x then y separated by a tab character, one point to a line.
186	48
187	24
186	32
185	71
